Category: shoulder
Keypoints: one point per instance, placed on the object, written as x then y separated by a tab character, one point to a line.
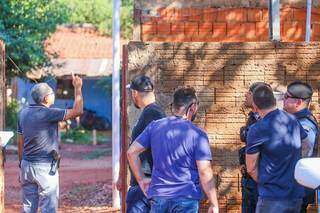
307	124
153	109
199	131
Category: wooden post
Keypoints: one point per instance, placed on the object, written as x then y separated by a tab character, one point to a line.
2	119
124	143
274	20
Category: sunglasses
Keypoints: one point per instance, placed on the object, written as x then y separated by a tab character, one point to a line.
287	95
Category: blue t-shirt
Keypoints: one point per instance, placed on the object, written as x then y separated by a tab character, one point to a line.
176	144
277	137
39	127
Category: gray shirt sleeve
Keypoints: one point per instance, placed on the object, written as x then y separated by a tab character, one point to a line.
308	143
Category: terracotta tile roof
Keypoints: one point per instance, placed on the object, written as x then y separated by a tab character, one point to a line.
78	42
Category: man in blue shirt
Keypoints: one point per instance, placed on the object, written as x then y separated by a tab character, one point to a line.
181	159
296	101
273	149
38	147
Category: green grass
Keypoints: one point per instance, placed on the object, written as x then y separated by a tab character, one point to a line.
97	154
81	136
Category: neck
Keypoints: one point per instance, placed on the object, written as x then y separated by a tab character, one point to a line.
182	114
264	112
46	105
147	101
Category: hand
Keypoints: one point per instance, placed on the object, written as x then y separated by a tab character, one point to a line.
213	209
144	185
76	81
118	184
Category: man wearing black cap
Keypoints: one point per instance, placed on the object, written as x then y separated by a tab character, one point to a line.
296	101
142	93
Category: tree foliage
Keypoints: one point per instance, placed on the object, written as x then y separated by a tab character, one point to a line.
99	13
24	26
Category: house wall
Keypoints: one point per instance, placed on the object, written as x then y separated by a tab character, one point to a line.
221	73
95	98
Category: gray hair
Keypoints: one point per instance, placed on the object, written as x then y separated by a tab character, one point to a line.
40	91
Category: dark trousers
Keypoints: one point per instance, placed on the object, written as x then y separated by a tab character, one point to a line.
309	198
278	206
249	195
174	205
136	201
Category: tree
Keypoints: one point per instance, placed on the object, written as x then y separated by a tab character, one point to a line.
24	26
99	13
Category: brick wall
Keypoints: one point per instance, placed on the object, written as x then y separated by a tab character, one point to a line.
173	24
221	73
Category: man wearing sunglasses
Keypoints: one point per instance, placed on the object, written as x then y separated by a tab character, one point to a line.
296	101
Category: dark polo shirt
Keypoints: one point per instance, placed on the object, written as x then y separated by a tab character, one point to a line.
39	127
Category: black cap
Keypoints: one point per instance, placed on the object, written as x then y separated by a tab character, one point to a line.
141	83
299	89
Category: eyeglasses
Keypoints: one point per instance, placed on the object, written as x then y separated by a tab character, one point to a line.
287	95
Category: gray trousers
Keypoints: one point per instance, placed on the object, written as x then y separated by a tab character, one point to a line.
39	188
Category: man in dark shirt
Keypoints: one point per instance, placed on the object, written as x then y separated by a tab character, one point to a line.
248	185
273	149
297	100
38	147
142	93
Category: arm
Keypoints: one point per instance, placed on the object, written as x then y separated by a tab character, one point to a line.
252	161
208	184
77	109
20	147
135	164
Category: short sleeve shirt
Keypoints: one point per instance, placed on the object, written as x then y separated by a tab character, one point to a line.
39	127
277	137
150	113
176	145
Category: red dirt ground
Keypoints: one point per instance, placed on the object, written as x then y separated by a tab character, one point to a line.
85	180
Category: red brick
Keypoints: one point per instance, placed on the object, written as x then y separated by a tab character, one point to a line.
205	28
262	31
299	14
179	14
254	15
315	36
265	14
210	14
232	15
249	31
170	14
163	28
235	31
196	14
183	14
219	30
316	29
149	28
293	31
147	37
191	28
177	27
286	14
